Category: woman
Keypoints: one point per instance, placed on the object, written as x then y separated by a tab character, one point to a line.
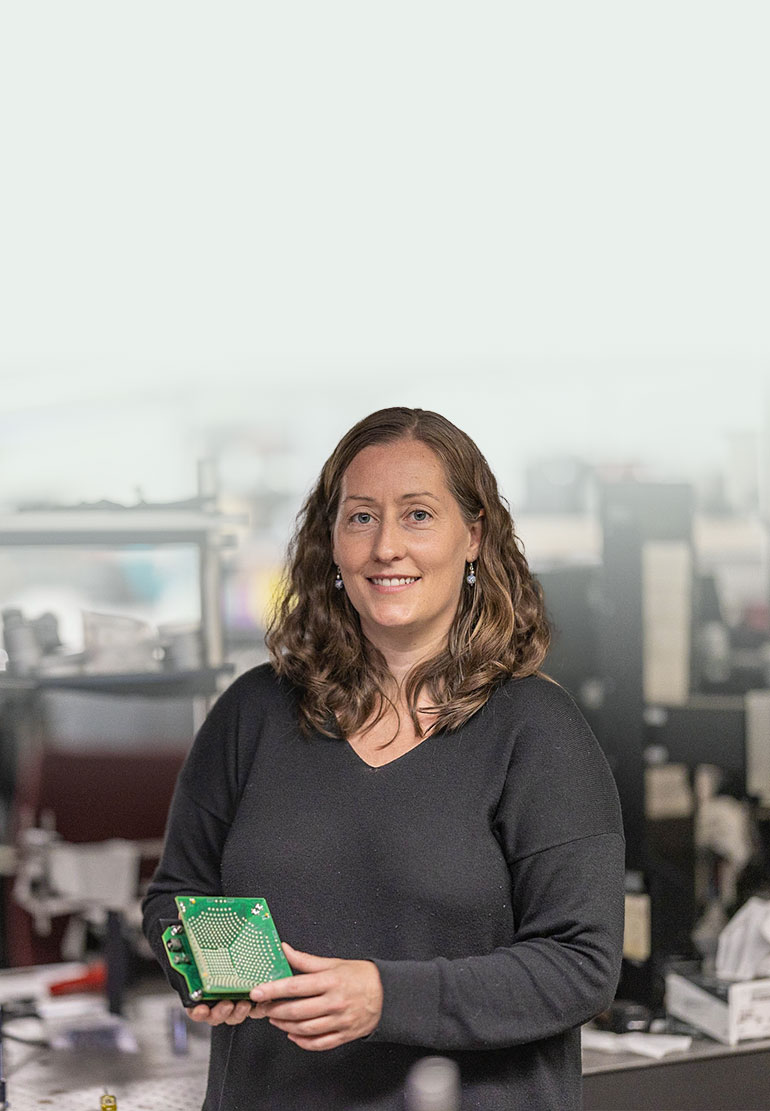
430	818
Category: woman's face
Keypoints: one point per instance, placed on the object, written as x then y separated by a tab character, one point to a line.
401	542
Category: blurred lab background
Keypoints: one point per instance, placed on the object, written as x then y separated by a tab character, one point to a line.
230	233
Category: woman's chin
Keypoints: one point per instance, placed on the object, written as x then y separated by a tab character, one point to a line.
387	617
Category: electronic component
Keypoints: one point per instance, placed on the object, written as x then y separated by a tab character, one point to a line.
223	947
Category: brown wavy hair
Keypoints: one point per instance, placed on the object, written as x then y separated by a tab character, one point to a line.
314	635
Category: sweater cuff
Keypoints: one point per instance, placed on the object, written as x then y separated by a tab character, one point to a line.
410	991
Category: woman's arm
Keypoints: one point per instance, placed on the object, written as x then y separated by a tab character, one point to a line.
561	970
559	826
202	809
189	866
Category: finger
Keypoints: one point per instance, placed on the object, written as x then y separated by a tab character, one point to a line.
220	1012
310	1028
239	1013
306	962
199	1013
290	987
325	1041
299	1010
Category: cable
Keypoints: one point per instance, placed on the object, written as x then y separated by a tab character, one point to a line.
4	1035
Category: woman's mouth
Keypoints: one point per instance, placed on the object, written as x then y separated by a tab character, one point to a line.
393	582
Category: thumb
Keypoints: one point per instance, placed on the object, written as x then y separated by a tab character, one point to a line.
305	962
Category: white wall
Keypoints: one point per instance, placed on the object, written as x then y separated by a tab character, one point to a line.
548	220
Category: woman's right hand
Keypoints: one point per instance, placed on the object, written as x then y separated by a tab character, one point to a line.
228	1012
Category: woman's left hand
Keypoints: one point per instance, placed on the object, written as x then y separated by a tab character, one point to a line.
331	1002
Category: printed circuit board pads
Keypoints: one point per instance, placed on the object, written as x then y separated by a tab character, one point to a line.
223	947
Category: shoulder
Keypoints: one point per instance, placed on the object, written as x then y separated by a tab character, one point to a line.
548	730
256	703
558	785
256	689
537	703
237	717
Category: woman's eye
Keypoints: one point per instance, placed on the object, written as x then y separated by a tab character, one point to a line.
421	514
358	518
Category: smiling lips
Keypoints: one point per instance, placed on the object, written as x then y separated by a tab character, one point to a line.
393	583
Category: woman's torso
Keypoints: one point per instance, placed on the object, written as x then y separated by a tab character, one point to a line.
398	862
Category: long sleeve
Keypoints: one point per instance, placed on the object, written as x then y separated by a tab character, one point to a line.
558	822
202	808
189	865
561	970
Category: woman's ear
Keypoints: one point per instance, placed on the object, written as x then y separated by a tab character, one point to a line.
476	530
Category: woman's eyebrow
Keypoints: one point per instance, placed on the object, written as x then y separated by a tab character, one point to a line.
403	497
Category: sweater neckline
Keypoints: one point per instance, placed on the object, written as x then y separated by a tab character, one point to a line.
388	763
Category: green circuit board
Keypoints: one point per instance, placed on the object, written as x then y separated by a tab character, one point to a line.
223	947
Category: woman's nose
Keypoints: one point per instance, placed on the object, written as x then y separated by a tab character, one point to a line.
389	542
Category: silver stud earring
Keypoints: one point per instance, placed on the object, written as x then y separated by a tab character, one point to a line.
339	584
470	578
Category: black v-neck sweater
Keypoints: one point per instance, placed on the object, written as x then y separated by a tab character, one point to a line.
482	872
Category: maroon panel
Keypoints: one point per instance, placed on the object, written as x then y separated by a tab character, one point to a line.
93	796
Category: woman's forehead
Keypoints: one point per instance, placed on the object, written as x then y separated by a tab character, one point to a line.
405	462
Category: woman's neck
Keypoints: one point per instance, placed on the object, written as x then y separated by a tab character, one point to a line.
402	654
